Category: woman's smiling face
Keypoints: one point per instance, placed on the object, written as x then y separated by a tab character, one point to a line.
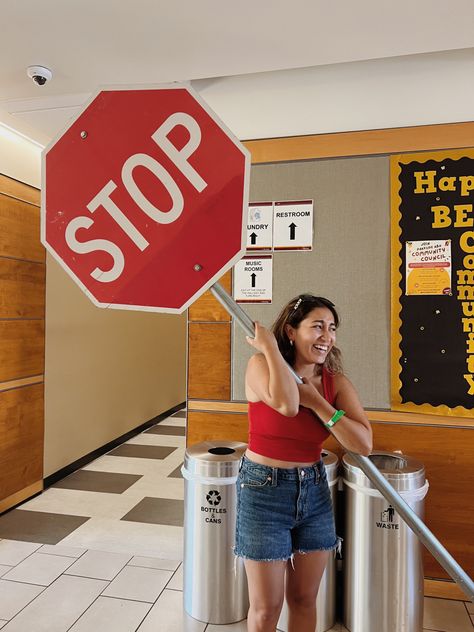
314	337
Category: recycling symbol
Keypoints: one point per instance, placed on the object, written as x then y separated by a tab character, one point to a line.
213	497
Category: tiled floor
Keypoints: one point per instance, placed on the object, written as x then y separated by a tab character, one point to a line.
101	551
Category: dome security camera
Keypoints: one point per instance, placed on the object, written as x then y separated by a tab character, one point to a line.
39	74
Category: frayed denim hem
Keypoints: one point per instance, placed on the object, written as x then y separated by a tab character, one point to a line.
254	559
335	547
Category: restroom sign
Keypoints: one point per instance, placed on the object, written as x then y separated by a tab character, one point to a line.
253	279
293	225
260	226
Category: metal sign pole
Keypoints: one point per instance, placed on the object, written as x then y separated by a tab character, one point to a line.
406	512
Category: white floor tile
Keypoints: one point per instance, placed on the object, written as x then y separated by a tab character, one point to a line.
167	615
99	565
446	615
176	582
123	465
127	465
174	421
157	488
171	441
112	615
4	569
135	538
240	626
140	584
65	551
15	596
58	607
153	562
39	569
13	552
337	628
81	503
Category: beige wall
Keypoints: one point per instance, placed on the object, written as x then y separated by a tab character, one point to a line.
106	371
20	158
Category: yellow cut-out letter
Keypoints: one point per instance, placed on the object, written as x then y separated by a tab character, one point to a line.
468	310
425	182
470	381
469	234
447	184
462	218
441	216
467	184
468	325
465	277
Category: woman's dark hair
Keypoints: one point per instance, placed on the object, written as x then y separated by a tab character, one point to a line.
292	314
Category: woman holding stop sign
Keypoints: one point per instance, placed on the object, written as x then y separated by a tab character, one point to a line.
285	521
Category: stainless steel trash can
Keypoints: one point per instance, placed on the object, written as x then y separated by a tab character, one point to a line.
215	584
383	572
326	600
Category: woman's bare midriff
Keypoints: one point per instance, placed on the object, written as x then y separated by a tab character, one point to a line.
264	460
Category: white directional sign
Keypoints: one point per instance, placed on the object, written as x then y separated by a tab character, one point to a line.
260	226
293	225
253	279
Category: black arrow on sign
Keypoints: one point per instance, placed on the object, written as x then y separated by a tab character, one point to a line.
253	239
292	230
254	276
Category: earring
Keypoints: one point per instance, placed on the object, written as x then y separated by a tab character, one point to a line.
291	342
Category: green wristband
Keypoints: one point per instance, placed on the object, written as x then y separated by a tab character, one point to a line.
335	418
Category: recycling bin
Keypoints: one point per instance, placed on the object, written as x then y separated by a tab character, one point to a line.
326	599
383	572
214	583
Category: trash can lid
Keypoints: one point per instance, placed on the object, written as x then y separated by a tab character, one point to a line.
214	458
331	462
403	472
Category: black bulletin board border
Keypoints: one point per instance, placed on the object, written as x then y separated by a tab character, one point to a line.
402	388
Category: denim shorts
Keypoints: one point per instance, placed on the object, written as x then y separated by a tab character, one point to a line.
283	511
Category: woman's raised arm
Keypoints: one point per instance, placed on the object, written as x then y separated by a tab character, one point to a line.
267	378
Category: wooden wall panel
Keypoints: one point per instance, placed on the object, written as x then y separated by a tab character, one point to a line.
366	143
21	289
209	360
19	190
20	230
207	308
21	444
22	307
203	426
21	348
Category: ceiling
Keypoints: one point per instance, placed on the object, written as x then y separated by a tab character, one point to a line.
92	43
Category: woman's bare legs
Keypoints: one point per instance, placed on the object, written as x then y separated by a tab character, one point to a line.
266	581
302	585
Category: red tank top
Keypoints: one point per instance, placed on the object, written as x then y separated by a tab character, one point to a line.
298	439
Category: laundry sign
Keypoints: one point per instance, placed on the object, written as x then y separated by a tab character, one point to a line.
253	279
260	226
293	225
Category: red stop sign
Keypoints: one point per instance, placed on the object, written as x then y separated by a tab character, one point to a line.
144	198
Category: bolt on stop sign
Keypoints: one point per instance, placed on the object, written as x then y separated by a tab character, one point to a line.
144	198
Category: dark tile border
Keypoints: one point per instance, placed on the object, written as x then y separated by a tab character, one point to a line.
85	460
